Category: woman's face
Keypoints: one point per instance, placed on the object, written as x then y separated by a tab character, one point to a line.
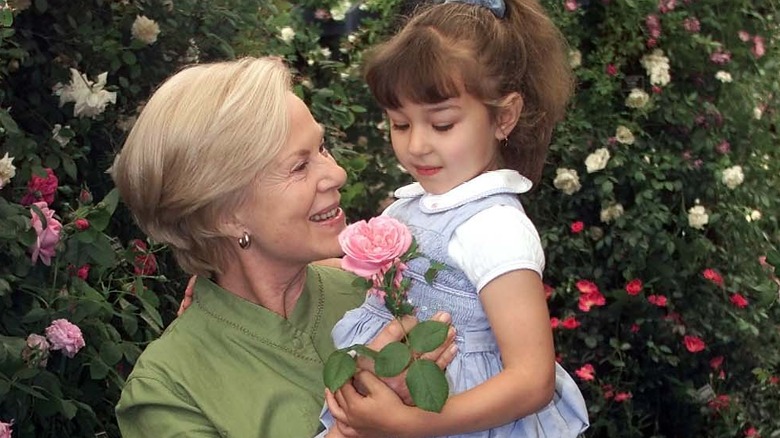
293	214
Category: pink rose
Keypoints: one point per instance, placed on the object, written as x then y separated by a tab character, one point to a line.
5	429
48	237
81	224
371	247
65	336
41	189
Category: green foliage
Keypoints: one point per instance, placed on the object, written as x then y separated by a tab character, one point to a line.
686	142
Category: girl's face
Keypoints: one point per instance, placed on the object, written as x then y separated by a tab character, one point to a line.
445	144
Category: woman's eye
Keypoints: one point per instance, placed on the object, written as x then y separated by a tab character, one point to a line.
400	126
443	128
301	166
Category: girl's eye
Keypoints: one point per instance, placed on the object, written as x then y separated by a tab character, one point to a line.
443	128
400	126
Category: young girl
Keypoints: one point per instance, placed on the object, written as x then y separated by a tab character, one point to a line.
472	91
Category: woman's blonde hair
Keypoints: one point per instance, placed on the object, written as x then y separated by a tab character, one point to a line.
202	138
444	46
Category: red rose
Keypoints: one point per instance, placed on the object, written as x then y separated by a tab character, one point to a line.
739	300
81	224
570	323
577	227
694	344
634	286
41	188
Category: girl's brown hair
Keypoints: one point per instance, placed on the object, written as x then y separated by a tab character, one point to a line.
445	46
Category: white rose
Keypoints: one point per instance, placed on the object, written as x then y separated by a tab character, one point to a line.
597	160
698	217
624	135
7	169
286	34
145	30
637	98
753	216
325	52
575	58
567	181
723	76
55	134
733	177
611	213
758	113
89	97
657	67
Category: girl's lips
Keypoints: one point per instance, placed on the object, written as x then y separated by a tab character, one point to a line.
428	171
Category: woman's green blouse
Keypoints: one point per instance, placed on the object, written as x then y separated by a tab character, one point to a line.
231	368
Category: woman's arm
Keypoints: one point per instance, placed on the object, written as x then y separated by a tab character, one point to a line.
148	408
516	307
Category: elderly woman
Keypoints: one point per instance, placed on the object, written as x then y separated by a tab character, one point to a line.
229	168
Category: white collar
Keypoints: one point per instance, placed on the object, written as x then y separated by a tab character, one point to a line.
488	183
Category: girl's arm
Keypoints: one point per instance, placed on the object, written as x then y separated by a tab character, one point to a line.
516	307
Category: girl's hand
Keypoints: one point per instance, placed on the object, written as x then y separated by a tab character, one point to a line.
358	413
187	300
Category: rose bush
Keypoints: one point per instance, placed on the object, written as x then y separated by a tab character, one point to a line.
661	305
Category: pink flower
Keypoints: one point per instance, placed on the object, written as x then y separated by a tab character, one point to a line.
752	432
692	25
611	69
586	372
5	429
758	46
548	290
713	276
83	271
623	396
743	36
41	189
577	227
609	391
653	24
694	344
720	402
85	197
634	328
589	300
571	5
570	323
36	351
587	287
65	336
665	6
371	247
724	147
658	300
81	224
720	57
716	362
634	286
739	300
555	322
48	234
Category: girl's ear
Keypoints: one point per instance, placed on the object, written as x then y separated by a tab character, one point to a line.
508	114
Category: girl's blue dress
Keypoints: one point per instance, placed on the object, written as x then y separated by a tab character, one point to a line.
478	356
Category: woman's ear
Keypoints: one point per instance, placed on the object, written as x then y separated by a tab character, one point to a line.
508	114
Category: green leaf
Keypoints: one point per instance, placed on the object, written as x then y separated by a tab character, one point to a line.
364	351
427	385
773	258
7	121
68	409
339	368
392	359
430	274
428	336
6	20
110	201
110	352
98	369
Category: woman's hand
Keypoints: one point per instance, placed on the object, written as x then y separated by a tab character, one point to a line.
187	300
395	331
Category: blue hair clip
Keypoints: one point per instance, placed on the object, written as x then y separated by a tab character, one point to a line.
497	7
